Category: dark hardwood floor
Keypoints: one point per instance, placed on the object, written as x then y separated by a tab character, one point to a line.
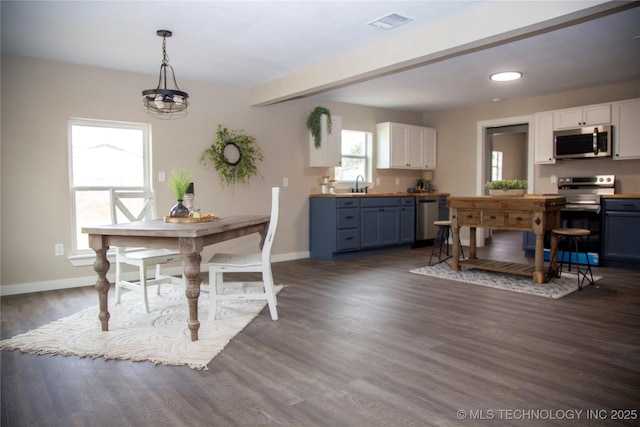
359	343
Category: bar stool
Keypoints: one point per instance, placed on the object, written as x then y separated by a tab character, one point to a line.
573	236
442	242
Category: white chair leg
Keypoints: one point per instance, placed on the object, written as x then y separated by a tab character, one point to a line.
213	293
158	274
143	288
270	292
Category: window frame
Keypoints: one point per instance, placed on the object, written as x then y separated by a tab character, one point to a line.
145	128
368	175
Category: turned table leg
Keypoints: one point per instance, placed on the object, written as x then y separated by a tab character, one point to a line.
101	266
191	248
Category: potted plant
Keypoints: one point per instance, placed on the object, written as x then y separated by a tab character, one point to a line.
507	187
179	182
420	184
314	124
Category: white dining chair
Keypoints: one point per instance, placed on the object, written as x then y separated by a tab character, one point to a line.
259	262
123	204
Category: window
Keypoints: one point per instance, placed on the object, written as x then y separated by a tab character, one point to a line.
102	156
356	156
496	165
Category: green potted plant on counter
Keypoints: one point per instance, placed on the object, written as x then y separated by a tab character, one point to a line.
507	187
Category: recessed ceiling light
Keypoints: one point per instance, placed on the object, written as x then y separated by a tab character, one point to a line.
506	76
390	21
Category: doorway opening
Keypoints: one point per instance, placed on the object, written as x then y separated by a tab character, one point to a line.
502	130
506	153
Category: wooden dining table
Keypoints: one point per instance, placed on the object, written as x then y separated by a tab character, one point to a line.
188	238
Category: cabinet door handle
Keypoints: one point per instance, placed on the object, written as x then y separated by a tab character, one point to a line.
492	217
519	218
349	238
469	216
349	217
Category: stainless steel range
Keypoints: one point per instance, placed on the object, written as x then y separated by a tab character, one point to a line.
583	207
583	192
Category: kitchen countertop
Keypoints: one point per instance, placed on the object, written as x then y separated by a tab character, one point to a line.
620	196
398	194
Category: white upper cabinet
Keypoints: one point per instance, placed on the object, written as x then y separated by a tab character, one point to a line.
626	129
584	116
401	146
330	151
543	137
430	139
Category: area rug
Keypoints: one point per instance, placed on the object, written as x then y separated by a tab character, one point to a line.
161	336
556	288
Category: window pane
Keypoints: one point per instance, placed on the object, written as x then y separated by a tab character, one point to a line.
351	168
92	208
107	156
353	143
356	156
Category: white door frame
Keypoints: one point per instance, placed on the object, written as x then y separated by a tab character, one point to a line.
481	150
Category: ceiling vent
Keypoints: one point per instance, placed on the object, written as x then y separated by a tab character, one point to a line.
390	21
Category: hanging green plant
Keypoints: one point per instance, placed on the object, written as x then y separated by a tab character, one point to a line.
314	124
234	155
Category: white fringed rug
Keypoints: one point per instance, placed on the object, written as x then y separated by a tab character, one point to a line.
161	336
556	288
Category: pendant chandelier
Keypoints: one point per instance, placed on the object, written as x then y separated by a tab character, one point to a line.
162	99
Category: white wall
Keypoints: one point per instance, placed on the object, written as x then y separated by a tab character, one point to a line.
38	97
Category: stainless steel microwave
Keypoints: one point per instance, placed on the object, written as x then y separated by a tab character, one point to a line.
584	142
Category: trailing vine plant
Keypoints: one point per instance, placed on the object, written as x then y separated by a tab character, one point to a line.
234	155
313	124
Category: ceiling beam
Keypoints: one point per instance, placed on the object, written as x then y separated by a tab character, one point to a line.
480	28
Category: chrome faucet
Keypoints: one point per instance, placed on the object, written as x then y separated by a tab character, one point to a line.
357	178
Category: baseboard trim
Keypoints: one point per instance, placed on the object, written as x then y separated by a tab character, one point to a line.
78	282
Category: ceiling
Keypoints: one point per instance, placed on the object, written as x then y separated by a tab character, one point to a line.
431	63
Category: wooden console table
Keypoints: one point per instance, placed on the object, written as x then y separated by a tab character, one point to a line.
530	213
189	238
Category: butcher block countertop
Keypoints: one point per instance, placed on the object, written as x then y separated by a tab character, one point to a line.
398	194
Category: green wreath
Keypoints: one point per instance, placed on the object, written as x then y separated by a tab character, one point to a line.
234	155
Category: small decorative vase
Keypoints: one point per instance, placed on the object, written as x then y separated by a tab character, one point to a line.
179	210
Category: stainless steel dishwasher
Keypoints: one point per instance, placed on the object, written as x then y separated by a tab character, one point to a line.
426	214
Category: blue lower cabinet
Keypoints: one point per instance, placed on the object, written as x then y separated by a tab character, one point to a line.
621	233
380	226
408	222
346	227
